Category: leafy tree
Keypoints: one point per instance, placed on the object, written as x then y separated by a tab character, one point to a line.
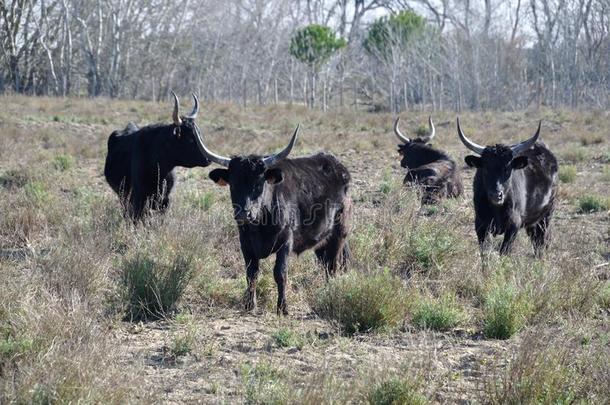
394	32
313	45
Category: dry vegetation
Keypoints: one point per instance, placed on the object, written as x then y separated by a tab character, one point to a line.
94	310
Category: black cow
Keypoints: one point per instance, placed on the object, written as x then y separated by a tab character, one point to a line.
286	205
430	168
140	161
514	187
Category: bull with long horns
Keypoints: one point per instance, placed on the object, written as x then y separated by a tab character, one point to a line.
140	161
514	187
284	205
431	169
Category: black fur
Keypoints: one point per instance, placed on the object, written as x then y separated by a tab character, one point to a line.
432	169
297	204
514	192
140	163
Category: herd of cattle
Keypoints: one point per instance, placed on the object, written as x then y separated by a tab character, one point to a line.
283	205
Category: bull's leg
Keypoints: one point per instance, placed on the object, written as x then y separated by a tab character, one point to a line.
168	184
539	235
345	256
251	274
279	274
138	207
509	237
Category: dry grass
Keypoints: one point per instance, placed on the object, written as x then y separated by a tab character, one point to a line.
424	307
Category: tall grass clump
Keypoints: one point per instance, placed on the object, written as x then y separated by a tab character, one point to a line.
54	350
360	302
567	174
590	203
430	246
63	162
504	311
440	314
547	368
155	284
394	391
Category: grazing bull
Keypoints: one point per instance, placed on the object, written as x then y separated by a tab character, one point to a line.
430	168
514	187
140	161
286	205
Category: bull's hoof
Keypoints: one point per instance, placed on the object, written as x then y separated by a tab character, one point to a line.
250	299
282	310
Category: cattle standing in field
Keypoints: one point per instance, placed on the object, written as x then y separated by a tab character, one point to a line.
514	187
286	205
427	167
140	161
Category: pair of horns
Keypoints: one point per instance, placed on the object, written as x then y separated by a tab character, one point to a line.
517	148
404	139
176	113
267	160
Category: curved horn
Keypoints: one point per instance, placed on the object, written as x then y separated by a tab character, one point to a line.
270	160
429	137
399	134
476	148
176	113
195	111
211	156
525	145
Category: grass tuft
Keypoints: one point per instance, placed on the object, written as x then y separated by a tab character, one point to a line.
567	174
590	203
153	285
363	302
394	391
440	314
504	312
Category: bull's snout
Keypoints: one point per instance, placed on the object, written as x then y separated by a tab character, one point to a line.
244	215
496	197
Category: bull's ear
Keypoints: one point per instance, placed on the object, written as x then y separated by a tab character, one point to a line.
473	161
220	176
274	176
519	162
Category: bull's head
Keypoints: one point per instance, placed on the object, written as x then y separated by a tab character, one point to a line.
183	137
250	178
496	163
412	150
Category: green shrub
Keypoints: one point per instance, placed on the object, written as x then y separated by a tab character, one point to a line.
63	162
361	302
153	285
437	314
284	337
36	192
430	246
504	312
395	391
183	343
567	174
592	203
606	173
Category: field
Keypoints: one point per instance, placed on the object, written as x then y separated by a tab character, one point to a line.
416	319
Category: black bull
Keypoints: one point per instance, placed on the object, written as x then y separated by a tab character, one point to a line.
140	161
514	187
286	205
428	167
